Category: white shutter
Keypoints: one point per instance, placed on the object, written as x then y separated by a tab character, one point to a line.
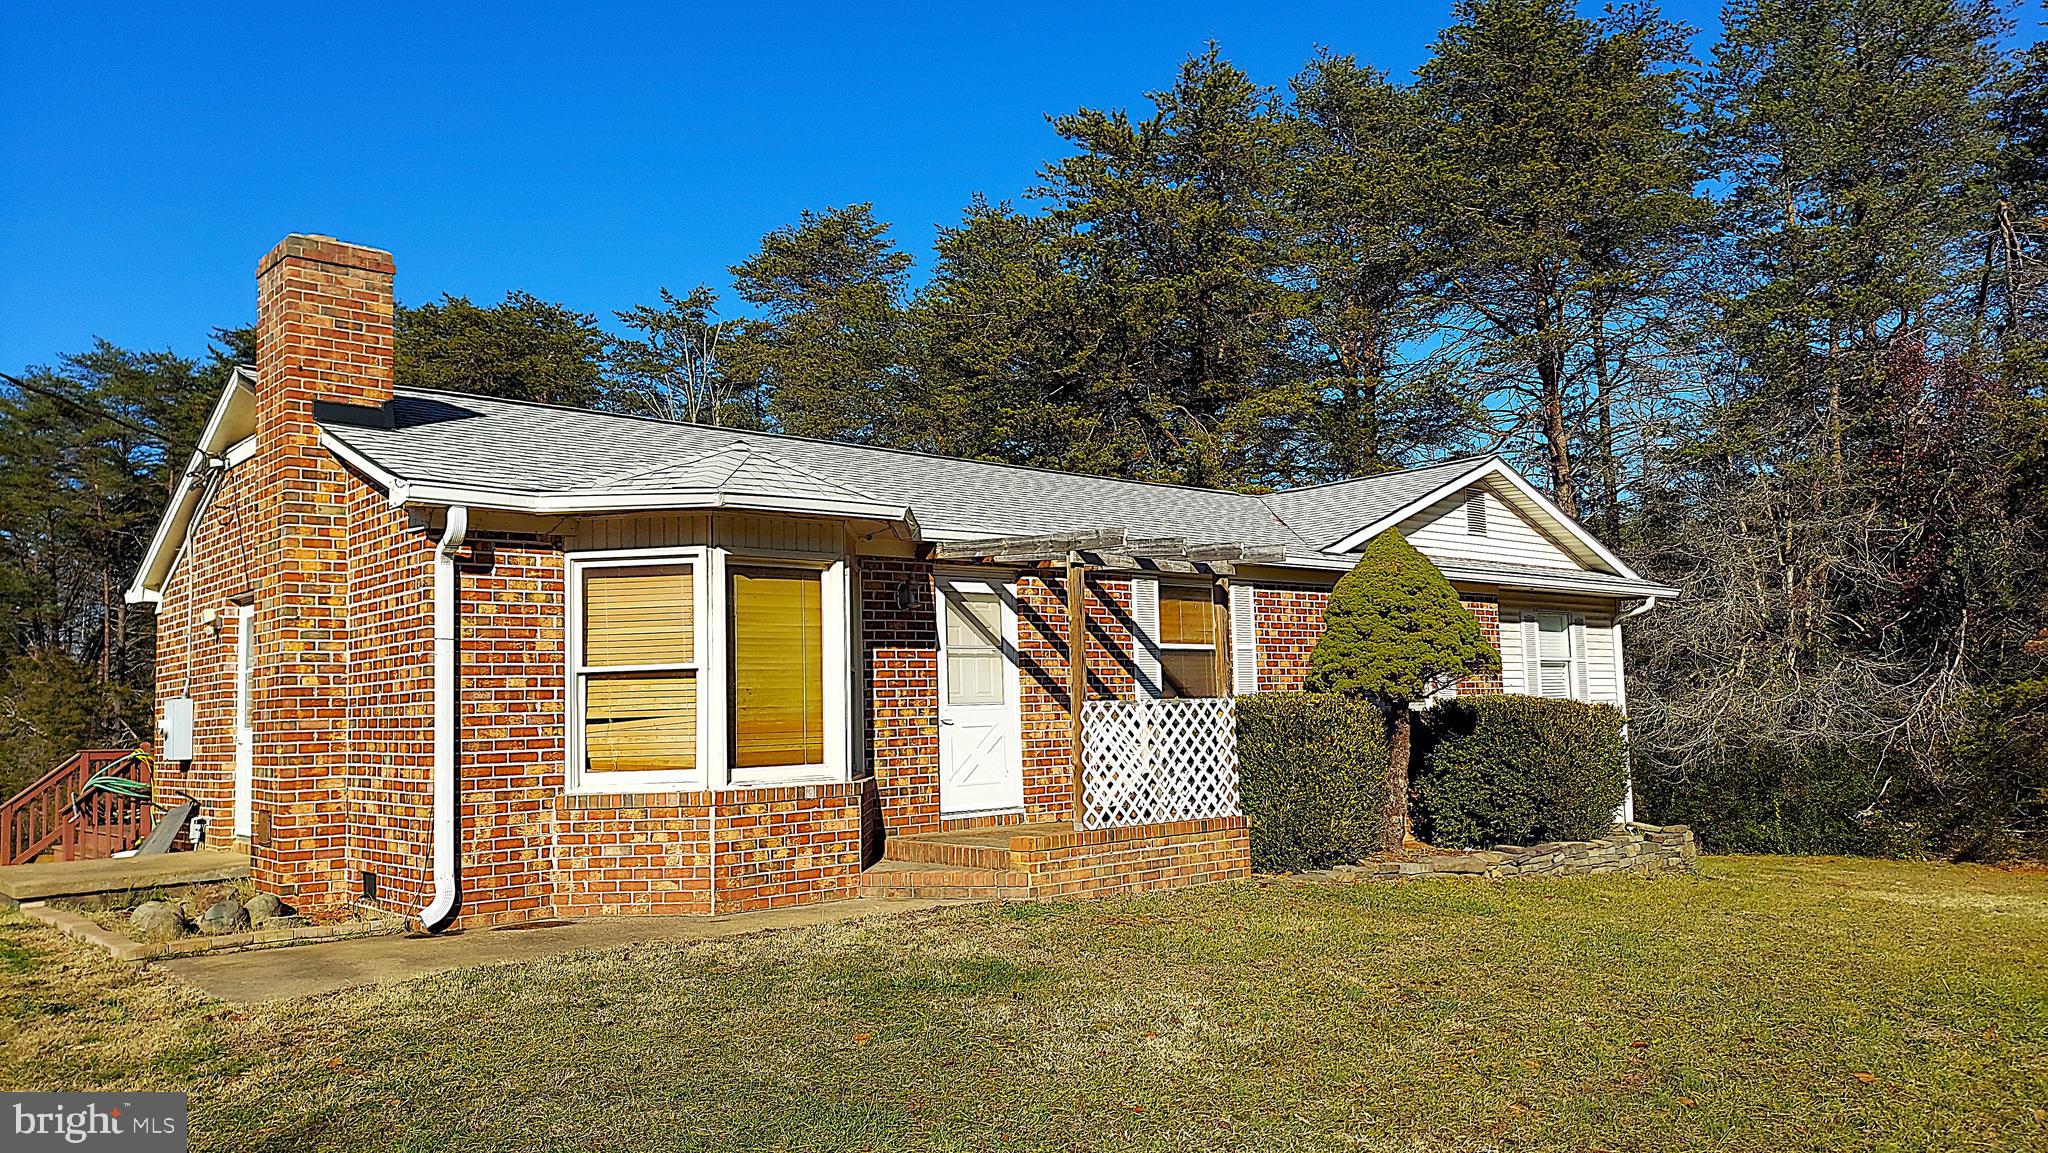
1244	641
1145	645
1580	691
1532	656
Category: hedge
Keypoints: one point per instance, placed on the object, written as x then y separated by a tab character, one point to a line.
1515	770
1313	769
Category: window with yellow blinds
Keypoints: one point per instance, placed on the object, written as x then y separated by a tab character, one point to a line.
778	667
1187	641
637	671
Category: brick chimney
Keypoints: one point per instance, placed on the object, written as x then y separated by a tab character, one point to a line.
323	340
323	326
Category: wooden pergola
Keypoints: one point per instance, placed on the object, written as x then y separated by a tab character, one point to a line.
1111	550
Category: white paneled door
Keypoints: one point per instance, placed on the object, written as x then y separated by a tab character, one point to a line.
980	746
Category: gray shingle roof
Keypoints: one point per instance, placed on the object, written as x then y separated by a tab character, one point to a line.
1325	513
485	442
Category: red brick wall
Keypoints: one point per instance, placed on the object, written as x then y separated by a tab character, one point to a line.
513	737
1102	862
1042	645
1290	621
194	660
900	655
323	331
661	853
1487	609
390	699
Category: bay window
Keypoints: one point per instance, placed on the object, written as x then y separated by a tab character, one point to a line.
636	671
778	668
694	668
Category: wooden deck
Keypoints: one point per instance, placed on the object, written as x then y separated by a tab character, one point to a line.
43	880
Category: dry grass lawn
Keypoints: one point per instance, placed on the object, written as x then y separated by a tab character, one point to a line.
1769	1004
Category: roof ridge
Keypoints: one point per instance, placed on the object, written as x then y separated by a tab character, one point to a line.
794	467
415	390
1472	457
618	478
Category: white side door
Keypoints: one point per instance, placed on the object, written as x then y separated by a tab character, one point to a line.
980	744
245	731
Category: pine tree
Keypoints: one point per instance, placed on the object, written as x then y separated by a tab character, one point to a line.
1393	632
1560	180
1357	256
522	348
1168	229
827	351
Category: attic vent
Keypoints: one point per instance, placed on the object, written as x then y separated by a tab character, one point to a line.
1475	514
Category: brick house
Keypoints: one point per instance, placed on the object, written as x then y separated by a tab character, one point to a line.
481	661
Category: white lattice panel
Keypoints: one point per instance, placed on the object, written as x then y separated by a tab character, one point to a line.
1146	761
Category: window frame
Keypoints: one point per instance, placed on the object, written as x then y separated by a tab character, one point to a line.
1219	637
833	651
1575	672
1003	649
576	779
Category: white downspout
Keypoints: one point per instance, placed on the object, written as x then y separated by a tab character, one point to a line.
446	609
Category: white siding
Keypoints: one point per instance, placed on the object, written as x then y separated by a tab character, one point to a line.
778	534
1439	532
1603	659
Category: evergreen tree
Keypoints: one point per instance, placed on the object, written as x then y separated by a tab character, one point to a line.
88	453
1001	341
1358	257
1168	229
522	348
827	350
1560	182
1393	632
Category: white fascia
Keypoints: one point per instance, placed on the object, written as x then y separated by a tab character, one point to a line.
1564	581
169	538
405	492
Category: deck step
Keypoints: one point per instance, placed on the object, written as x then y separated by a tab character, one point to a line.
929	881
959	853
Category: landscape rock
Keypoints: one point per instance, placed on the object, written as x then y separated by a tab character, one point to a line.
1644	850
157	921
223	917
263	907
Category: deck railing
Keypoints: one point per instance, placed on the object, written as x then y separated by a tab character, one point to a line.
1147	761
41	817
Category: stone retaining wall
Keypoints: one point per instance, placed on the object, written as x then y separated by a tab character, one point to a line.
1635	848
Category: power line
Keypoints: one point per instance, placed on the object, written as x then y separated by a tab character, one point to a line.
87	409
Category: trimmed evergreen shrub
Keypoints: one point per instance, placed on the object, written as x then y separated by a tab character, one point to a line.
1393	630
1314	779
1515	770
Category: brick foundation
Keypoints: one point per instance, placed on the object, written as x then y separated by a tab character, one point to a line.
706	852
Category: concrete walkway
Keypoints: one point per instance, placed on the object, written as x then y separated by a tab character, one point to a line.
46	879
308	970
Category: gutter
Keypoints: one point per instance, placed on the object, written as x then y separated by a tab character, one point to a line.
447	611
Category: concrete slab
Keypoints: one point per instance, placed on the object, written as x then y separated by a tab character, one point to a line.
46	879
309	970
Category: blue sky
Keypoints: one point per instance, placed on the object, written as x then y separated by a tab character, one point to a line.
586	153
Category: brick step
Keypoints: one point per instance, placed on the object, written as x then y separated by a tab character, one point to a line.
978	853
928	881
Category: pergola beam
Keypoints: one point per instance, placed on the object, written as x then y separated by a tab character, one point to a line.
1111	548
1051	546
